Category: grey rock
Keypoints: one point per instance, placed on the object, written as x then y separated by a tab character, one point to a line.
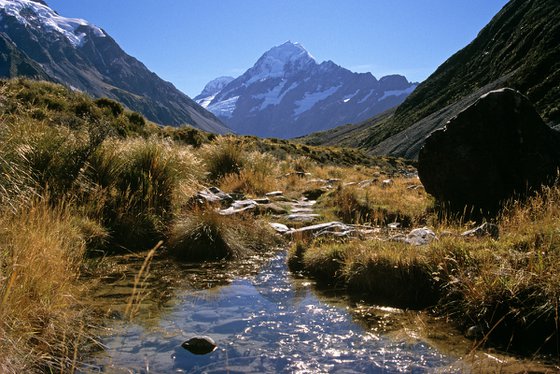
231	210
280	227
240	204
303	217
420	236
335	229
486	229
274	194
262	200
213	195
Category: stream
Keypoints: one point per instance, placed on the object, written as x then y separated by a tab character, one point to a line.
265	320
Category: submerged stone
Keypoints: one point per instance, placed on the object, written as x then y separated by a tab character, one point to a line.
200	345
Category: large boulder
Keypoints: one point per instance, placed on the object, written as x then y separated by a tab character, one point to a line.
495	148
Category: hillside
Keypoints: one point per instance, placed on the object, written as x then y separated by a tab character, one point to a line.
37	42
519	48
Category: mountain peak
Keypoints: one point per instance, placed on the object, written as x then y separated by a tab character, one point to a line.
211	89
279	60
36	13
287	52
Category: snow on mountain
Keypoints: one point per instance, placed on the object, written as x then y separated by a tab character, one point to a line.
278	60
310	99
287	93
224	108
211	89
406	92
37	14
37	42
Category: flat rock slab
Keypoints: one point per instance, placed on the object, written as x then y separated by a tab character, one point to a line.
274	194
302	210
334	228
213	195
303	217
280	227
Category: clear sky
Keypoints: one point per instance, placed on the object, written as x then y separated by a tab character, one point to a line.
190	42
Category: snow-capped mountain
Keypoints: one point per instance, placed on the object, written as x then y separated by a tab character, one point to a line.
37	42
211	89
287	93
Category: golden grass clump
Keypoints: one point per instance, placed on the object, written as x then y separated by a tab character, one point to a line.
258	176
222	157
389	273
136	186
40	323
380	203
205	235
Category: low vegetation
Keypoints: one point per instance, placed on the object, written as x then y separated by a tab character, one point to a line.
380	202
82	178
507	289
203	234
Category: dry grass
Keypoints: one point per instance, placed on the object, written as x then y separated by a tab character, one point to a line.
41	254
136	186
205	235
389	273
380	203
509	287
259	175
222	157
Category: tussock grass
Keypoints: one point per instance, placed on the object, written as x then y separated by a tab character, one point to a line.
205	235
380	204
258	176
222	157
389	273
136	186
509	287
42	249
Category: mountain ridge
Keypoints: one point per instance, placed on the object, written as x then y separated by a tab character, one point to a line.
519	48
71	51
287	93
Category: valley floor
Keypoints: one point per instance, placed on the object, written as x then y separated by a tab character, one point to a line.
84	179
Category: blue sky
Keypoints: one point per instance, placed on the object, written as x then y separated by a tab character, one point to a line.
190	42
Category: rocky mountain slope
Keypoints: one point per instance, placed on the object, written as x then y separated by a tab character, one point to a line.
287	94
37	42
519	48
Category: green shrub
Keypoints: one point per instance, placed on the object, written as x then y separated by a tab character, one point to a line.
136	119
114	107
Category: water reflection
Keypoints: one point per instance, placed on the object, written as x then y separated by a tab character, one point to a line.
262	321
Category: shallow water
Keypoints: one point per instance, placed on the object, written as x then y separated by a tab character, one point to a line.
264	319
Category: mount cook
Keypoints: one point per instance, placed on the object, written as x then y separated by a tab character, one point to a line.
287	93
